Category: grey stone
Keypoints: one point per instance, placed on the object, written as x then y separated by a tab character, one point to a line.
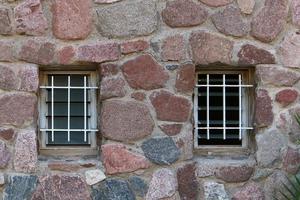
128	19
172	67
138	185
214	191
112	189
269	148
19	187
5	155
274	184
260	174
161	151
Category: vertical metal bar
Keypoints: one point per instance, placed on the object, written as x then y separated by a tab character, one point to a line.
207	106
69	99
224	106
85	108
52	108
240	106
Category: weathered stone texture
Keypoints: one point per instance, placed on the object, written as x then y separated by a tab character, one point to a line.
170	107
184	13
163	184
7	52
25	158
161	151
270	21
295	8
286	97
269	148
63	166
5	155
19	187
185	78
6	27
125	120
134	46
139	96
98	53
173	48
208	48
7	134
106	1
117	159
72	19
112	87
171	129
234	174
246	6
128	19
276	75
291	160
264	111
274	185
187	182
65	187
94	176
289	50
213	191
30	19
108	69
250	191
216	3
230	22
138	185
116	189
252	55
65	55
18	108
144	72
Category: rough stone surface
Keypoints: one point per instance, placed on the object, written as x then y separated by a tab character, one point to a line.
269	148
286	97
270	21
7	133
8	78
127	19
234	174
289	49
72	19
5	155
161	151
210	48
170	107
98	53
5	21
274	184
144	73
163	184
250	191
138	185
295	10
216	3
291	161
252	55
230	22
106	1
19	187
25	158
2	179
173	48
30	19
171	129
117	159
263	111
63	166
214	191
187	182
185	80
134	46
67	187
125	120
288	124
184	13
246	6
116	189
108	69
94	176
185	142
65	55
112	87
38	52
139	96
276	75
7	53
19	108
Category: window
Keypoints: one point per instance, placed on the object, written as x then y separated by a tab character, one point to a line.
68	109
222	108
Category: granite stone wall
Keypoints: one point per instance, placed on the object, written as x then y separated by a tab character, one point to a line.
146	53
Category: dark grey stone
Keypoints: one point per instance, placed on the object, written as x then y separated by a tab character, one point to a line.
19	187
138	185
172	67
162	151
112	189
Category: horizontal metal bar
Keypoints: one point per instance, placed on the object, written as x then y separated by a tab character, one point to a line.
219	122
219	94
66	87
218	108
71	130
227	86
227	128
67	116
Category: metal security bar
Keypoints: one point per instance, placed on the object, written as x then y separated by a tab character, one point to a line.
55	88
217	114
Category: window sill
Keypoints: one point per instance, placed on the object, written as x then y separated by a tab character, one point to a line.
222	151
68	151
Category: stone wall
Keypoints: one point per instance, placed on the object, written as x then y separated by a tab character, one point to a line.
146	52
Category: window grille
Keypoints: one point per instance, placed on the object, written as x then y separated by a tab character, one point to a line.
221	109
69	104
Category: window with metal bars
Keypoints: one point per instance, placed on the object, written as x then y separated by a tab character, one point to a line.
68	109
221	108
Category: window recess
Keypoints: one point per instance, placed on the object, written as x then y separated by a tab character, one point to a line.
68	109
221	108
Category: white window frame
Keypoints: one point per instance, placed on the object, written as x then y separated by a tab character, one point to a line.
43	110
246	107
